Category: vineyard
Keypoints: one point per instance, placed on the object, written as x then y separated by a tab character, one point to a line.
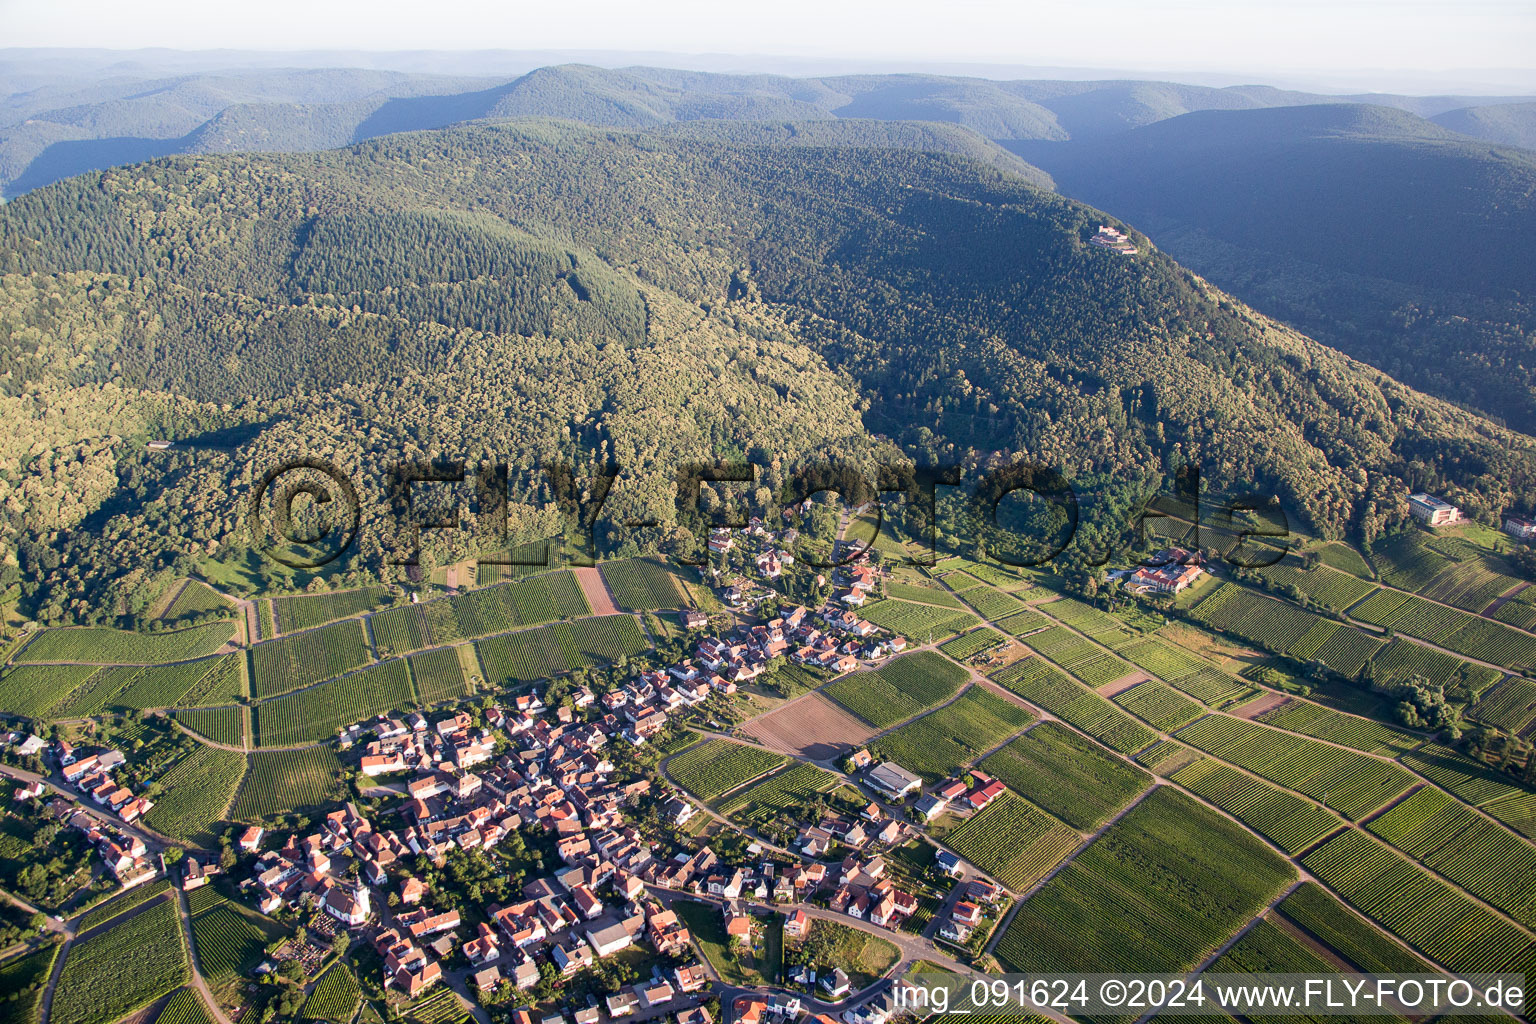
222	683
1083	658
784	796
1361	944
1418	907
533	654
1351	783
221	725
194	598
1407	562
185	1007
1185	672
1510	706
30	690
899	689
229	943
1040	684
716	767
643	584
335	995
1520	610
1163	707
163	686
993	604
1336	727
1344	558
1335	591
123	969
439	675
1475	783
1161	889
195	793
922	595
399	630
1268	949
283	780
305	611
1109	630
1470	635
316	713
101	646
939	743
1067	775
1013	841
1288	821
918	621
300	659
122	903
970	644
1024	623
1284	629
1451	839
23	979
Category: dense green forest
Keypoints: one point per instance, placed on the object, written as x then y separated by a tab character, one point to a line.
532	291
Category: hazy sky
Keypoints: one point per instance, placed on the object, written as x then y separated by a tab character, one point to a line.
1337	36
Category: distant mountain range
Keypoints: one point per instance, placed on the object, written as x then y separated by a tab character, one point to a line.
53	127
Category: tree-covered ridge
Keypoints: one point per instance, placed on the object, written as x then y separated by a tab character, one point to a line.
535	290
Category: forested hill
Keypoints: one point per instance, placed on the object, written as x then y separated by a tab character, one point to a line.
1374	230
535	288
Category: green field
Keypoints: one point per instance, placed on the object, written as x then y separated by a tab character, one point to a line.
1359	942
221	725
196	793
101	646
277	781
1285	819
919	622
122	903
1285	629
977	640
22	980
31	690
1510	705
1163	707
399	630
185	1007
316	713
1160	890
1013	841
1068	775
1418	907
993	604
1336	727
1351	783
334	996
230	942
121	970
1039	683
438	675
195	598
1186	672
784	795
305	611
643	584
715	767
515	659
940	743
922	595
301	659
1453	840
899	689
